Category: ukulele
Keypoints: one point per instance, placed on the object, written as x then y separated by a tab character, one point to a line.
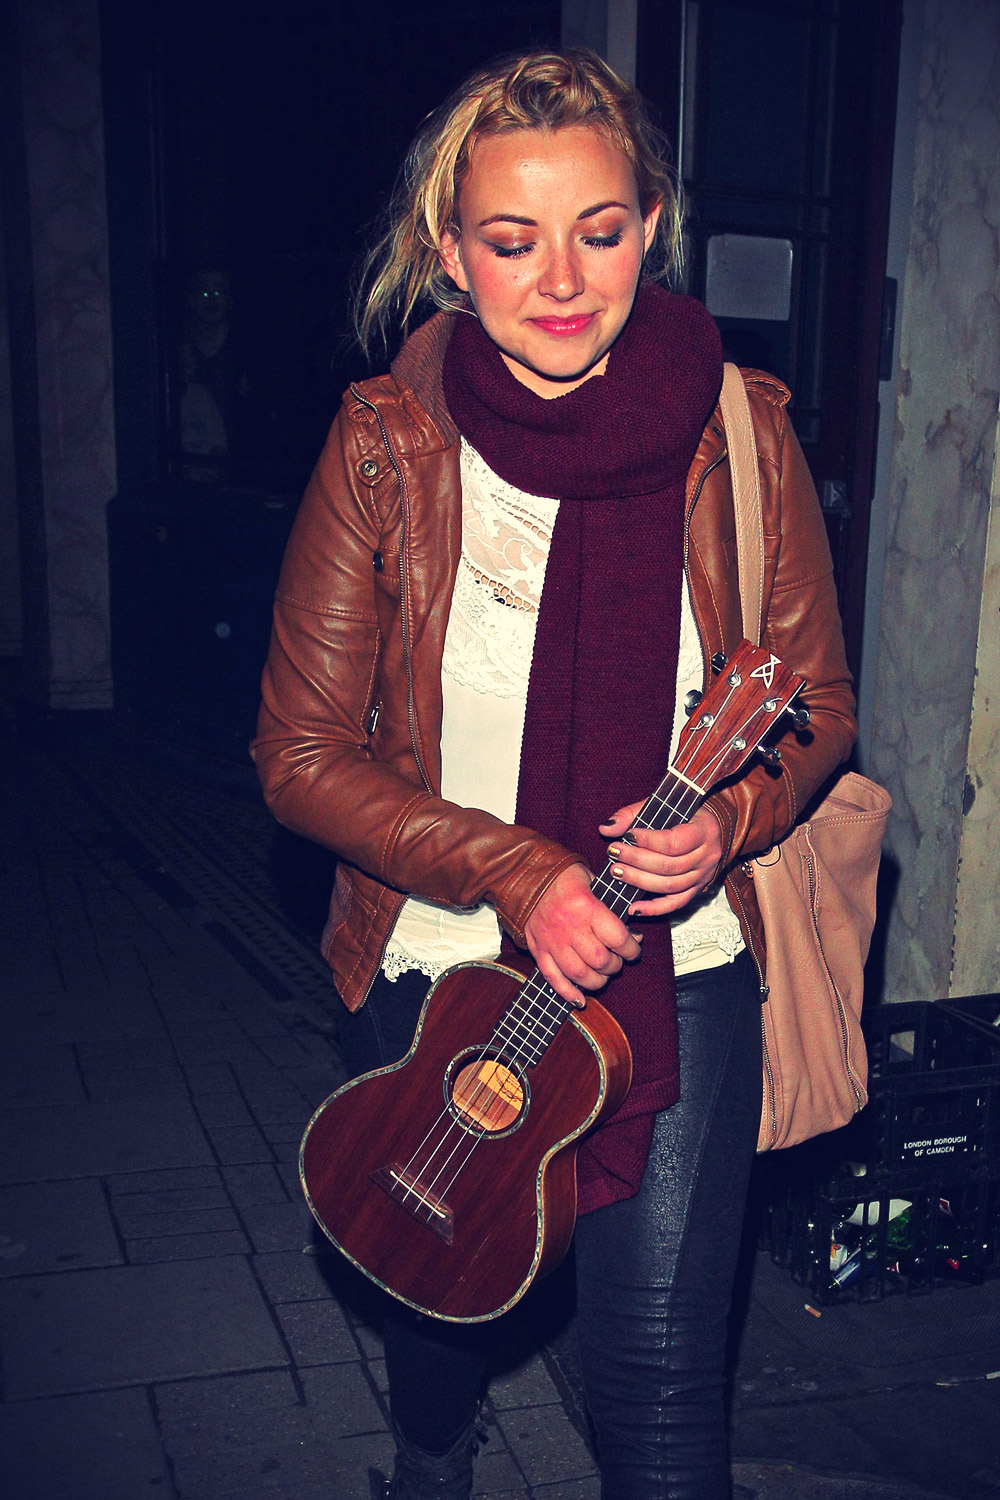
449	1177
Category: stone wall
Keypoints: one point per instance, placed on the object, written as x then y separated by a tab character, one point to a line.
62	223
934	623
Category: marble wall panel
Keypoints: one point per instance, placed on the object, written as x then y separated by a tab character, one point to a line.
60	69
976	956
944	452
11	641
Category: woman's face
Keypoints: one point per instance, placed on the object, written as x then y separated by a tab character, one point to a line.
551	246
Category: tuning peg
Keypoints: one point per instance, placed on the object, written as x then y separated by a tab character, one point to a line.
718	661
692	700
800	715
771	754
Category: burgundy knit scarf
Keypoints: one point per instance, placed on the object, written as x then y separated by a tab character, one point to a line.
615	452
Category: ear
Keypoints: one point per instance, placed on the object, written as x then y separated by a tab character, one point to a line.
649	224
450	256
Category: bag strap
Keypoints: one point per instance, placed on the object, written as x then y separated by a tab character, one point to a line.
745	473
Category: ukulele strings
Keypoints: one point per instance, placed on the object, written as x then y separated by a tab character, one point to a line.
650	816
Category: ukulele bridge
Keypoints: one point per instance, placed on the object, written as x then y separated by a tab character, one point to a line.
410	1193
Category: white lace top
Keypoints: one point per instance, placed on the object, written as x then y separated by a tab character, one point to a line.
485	669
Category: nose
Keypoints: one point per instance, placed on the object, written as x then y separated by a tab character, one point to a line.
562	278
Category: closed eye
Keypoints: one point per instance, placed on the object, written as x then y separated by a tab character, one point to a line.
510	252
603	241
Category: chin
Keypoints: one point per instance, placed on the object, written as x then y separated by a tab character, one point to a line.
570	367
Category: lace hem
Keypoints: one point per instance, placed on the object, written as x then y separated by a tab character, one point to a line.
727	941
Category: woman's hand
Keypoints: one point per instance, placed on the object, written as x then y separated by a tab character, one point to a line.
677	863
574	939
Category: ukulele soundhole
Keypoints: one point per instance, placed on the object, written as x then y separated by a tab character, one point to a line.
485	1093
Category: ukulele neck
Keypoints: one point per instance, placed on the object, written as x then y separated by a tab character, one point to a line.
533	1019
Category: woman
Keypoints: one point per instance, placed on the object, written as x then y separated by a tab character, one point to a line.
472	687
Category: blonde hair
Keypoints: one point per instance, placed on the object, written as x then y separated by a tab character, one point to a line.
534	91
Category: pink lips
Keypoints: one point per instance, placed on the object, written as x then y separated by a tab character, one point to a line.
564	327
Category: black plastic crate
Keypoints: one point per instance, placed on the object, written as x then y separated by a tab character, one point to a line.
852	1245
934	1094
908	1194
984	1009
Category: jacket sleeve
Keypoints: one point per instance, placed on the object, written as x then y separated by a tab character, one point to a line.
314	754
803	628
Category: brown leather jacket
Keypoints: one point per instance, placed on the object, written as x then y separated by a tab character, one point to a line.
348	742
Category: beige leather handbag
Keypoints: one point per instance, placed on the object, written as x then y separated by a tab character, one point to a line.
816	888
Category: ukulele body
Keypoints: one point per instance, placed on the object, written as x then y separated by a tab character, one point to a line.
449	1177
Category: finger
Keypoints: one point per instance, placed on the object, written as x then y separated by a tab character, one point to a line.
622	819
662	905
613	934
564	987
671	842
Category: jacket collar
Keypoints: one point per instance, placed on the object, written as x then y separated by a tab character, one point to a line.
418	366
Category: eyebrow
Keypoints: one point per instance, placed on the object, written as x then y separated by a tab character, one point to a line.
588	213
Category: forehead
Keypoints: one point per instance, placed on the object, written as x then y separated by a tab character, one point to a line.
576	158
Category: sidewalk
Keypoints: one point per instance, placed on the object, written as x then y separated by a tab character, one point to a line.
171	1323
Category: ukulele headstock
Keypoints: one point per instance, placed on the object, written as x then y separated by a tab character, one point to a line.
739	708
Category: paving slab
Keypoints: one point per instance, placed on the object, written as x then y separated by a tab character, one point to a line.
291	1276
317	1333
144	1083
254	1183
546	1444
52	1226
893	1438
342	1402
496	1471
132	1210
39	1075
782	1481
223	1109
279	1107
186	1247
236	1144
143	1225
278	1226
102	1446
169	1180
127	1054
210	1078
90	1330
529	1385
237	1433
573	1489
351	1460
89	1140
67	1016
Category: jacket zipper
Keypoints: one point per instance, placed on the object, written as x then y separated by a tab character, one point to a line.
690	512
810	866
404	588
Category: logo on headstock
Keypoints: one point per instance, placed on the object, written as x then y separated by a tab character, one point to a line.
766	671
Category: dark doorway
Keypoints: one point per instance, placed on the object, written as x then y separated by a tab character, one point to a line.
250	146
783	112
273	131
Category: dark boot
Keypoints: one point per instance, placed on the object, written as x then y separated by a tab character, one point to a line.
419	1475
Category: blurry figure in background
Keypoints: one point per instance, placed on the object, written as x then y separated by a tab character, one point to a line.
209	383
